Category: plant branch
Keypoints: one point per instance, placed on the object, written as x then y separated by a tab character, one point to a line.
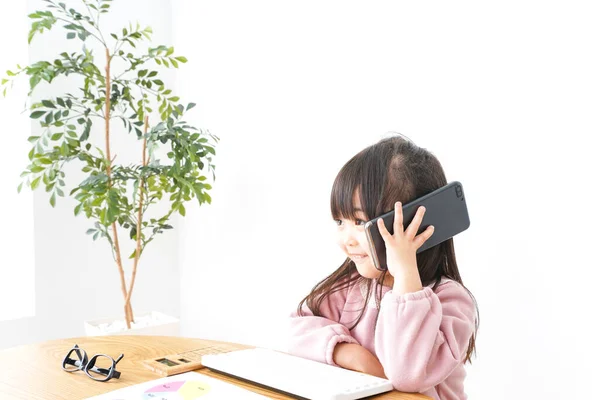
97	23
139	219
91	33
128	316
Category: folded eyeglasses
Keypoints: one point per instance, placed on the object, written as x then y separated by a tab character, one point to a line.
100	367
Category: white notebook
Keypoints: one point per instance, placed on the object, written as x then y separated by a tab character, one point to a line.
296	376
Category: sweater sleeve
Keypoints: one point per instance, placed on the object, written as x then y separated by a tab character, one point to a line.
315	337
421	337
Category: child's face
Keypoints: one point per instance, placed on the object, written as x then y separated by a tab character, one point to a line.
352	240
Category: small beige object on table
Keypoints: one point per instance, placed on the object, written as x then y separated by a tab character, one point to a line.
34	372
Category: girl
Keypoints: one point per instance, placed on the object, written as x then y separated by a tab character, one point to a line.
414	324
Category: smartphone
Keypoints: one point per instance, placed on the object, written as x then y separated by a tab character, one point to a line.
446	210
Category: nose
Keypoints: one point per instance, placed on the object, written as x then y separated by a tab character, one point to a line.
349	237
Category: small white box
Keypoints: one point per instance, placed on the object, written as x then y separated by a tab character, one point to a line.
154	323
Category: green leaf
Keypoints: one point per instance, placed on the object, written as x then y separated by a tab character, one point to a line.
71	35
48	103
20	187
34	80
53	200
35	183
182	59
182	210
190	106
86	131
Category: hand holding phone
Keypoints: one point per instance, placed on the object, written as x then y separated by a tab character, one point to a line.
446	211
402	245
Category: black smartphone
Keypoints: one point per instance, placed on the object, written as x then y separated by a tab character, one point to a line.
446	210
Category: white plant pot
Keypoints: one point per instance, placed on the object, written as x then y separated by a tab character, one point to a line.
153	323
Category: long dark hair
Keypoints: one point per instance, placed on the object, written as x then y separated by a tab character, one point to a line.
393	169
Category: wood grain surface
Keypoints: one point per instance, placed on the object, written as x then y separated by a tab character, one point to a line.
34	372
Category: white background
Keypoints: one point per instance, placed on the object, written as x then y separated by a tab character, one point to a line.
506	94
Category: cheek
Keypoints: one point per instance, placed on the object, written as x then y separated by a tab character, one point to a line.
339	239
362	241
341	244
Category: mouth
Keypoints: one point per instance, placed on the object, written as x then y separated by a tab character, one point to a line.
358	258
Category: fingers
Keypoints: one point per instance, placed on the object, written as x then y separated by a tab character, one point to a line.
385	234
424	236
410	233
398	218
413	228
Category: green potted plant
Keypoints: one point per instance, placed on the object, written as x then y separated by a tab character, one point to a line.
117	198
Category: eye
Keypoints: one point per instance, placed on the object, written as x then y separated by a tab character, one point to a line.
359	222
338	222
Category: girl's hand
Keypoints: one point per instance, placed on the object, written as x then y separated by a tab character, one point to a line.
357	358
401	249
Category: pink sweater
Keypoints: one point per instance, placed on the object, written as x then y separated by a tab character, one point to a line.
420	338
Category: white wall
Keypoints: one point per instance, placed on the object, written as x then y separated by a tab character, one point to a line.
504	93
76	279
17	279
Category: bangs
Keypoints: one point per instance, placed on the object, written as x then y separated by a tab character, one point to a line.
366	173
342	193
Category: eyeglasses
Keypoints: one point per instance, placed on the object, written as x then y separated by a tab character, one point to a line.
100	367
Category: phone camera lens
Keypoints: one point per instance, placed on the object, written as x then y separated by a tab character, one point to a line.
459	192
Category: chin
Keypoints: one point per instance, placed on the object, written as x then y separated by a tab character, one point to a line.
368	270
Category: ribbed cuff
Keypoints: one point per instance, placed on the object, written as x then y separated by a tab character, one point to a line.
331	346
419	295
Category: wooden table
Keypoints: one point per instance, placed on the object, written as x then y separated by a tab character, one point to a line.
33	372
